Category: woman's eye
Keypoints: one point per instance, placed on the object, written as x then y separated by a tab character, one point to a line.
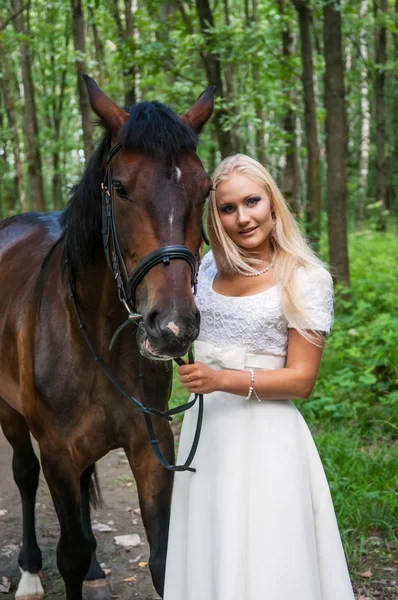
227	209
253	200
119	189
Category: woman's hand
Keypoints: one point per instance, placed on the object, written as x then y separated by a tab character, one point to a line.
199	378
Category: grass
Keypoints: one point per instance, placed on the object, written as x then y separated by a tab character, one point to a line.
362	475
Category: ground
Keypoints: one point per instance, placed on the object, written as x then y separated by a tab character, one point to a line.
129	575
120	503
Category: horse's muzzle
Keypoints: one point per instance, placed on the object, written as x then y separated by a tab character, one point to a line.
167	336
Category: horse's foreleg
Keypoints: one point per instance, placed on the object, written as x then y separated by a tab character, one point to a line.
94	585
154	485
73	550
26	469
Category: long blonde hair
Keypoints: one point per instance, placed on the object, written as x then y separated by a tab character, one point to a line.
289	247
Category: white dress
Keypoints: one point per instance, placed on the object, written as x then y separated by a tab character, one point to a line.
256	519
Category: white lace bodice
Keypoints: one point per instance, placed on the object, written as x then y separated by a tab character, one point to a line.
256	322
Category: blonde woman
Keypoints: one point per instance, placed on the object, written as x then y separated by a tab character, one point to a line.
256	520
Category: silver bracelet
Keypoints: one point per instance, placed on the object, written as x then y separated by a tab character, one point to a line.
251	388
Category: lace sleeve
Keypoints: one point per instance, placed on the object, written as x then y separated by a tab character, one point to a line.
315	289
205	266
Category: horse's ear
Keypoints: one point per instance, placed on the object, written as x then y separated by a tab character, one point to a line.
110	113
201	111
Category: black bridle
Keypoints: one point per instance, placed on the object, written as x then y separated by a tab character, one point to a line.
115	258
127	296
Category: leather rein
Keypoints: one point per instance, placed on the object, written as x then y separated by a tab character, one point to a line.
127	287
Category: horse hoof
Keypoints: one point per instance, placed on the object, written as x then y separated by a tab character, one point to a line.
29	587
97	589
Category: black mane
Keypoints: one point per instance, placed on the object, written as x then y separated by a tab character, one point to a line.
155	129
152	129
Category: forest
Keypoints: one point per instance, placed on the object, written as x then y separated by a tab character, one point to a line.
310	89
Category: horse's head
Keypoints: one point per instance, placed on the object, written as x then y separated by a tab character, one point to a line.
158	189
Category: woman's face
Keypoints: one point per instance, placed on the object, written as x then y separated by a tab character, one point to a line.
245	212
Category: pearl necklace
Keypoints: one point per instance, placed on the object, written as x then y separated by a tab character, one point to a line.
256	273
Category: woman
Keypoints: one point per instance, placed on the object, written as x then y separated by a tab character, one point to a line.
256	520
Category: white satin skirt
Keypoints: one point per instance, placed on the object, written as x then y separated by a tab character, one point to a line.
256	519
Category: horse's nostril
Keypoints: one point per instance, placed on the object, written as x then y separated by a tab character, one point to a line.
151	320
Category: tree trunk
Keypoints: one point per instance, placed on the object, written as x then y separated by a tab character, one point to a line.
290	172
31	133
380	57
290	176
98	45
365	118
57	95
85	109
394	121
130	71
8	194
258	100
12	122
128	35
213	71
336	143
229	80
313	208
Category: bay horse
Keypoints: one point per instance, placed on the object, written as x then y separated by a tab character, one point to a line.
50	384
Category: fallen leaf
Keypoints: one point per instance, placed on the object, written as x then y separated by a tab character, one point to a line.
102	527
128	541
5	585
3	512
366	574
142	564
137	511
136	559
130	579
9	549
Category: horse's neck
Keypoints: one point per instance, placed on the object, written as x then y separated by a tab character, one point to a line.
97	298
102	313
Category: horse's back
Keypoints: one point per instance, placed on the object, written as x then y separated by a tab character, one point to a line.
25	241
27	227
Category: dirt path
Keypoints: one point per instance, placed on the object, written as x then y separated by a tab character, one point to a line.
121	514
120	501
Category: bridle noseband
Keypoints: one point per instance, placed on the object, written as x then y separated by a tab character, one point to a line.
127	288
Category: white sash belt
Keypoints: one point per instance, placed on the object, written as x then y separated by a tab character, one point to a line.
235	358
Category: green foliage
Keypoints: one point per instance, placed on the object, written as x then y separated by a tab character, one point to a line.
164	56
359	372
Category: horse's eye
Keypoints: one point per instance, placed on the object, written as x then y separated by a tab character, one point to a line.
119	189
